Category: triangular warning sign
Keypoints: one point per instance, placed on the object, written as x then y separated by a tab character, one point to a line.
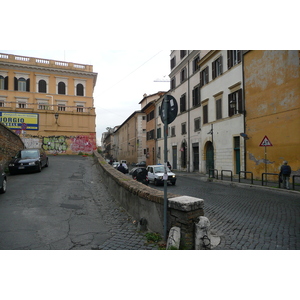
265	142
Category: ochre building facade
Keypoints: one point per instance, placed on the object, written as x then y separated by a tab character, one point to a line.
49	103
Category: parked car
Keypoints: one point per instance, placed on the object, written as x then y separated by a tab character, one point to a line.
156	174
3	181
115	164
140	174
141	164
28	160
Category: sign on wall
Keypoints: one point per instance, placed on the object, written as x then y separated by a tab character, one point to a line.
20	121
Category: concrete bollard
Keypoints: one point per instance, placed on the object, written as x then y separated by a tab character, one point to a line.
203	235
174	239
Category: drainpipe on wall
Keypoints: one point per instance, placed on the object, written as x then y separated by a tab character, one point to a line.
189	135
244	112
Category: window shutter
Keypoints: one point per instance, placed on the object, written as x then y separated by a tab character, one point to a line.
229	60
194	100
240	101
16	84
28	85
6	83
230	110
239	55
213	69
221	64
206	75
201	78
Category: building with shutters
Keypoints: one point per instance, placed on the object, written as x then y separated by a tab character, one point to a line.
49	103
208	86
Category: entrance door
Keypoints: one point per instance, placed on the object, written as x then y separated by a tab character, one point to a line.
237	154
210	164
174	156
196	158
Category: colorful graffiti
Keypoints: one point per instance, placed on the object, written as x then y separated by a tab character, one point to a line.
55	144
83	143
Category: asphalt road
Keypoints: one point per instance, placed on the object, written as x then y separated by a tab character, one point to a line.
246	217
66	206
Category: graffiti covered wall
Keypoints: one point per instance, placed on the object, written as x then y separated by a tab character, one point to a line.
85	144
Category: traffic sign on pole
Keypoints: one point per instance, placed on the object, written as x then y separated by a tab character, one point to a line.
265	142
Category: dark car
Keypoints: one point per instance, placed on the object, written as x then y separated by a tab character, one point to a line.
141	164
3	181
28	160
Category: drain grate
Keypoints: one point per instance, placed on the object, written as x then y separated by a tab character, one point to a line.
71	206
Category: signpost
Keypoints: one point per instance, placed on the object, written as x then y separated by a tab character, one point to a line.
265	143
168	113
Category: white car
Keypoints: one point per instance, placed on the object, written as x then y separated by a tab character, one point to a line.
156	174
115	164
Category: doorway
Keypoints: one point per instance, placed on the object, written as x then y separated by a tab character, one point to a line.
210	163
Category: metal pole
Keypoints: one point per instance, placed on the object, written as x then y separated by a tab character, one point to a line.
165	160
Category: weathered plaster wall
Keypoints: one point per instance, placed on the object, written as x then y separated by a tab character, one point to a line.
272	97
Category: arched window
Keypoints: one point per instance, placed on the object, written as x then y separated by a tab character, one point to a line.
42	86
61	88
22	84
79	90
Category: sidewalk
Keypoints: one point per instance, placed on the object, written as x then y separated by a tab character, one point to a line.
244	182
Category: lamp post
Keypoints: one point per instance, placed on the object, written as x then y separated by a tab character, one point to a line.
56	117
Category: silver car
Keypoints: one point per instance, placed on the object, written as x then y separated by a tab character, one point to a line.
156	175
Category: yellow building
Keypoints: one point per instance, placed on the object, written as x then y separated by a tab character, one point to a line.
49	103
272	101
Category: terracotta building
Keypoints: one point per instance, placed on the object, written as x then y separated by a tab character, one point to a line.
49	103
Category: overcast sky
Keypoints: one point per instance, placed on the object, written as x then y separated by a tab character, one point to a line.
124	76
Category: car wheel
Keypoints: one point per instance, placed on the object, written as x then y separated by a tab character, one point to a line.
155	182
173	183
3	189
47	163
40	167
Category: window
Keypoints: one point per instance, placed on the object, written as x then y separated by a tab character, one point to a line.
21	83
219	109
204	77
197	124
3	83
182	53
235	103
150	135
150	116
80	108
183	103
233	57
196	66
183	75
42	86
205	114
196	96
173	62
217	67
61	88
79	90
173	83
43	105
173	131
183	128
22	105
61	107
158	133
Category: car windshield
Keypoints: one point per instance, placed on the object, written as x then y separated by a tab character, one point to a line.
28	154
160	169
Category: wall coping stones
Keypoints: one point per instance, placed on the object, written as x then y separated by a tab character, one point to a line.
186	203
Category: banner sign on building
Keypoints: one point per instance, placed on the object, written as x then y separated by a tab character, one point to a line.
20	121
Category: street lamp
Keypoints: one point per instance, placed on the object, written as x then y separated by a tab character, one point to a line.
56	117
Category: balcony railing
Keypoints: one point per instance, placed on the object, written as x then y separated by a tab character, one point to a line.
19	106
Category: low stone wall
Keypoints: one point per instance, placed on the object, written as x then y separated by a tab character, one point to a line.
144	202
10	144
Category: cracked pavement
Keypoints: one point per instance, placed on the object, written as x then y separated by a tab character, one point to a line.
65	207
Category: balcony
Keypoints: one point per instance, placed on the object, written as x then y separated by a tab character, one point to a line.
40	107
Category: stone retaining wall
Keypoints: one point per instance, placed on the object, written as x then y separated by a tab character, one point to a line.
144	202
10	144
